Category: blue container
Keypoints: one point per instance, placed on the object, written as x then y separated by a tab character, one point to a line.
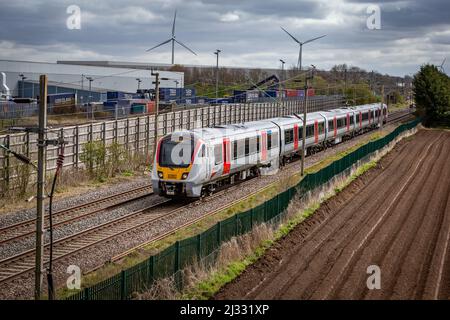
170	94
189	101
188	92
118	95
202	100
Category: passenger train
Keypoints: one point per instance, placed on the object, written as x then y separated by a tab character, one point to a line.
193	163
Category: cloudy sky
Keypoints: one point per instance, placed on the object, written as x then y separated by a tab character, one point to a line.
248	32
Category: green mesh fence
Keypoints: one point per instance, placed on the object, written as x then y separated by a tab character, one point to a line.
181	254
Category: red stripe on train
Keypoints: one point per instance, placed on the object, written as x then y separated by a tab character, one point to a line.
264	145
295	136
316	131
226	155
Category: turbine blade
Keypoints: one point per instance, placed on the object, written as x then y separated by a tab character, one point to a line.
313	39
159	45
173	26
443	61
181	44
291	35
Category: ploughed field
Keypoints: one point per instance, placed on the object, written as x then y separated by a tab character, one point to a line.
395	216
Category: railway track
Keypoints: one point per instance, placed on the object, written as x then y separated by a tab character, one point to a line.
399	116
24	262
19	264
26	228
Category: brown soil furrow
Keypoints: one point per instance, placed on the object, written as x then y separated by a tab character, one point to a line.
434	281
341	222
396	216
336	252
400	239
342	268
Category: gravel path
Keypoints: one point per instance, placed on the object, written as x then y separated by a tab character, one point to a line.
94	256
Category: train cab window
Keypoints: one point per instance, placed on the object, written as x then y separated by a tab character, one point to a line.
330	125
321	127
247	146
288	136
218	154
310	131
202	152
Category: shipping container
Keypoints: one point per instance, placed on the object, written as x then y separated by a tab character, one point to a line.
189	93
118	95
60	103
242	96
192	100
274	93
202	100
170	94
291	93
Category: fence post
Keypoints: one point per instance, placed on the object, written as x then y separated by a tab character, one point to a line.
151	266
127	128
199	246
219	233
123	285
251	218
236	225
137	133
77	146
147	134
86	294
6	164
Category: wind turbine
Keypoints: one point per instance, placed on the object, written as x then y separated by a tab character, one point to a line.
299	64
173	40
442	66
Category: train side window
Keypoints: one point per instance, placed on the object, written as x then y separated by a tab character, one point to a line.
269	141
257	143
218	153
309	131
352	119
365	116
288	136
235	150
330	125
300	133
321	127
247	146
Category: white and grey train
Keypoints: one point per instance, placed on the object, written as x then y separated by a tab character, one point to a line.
193	163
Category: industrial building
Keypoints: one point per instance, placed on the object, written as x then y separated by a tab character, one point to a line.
90	83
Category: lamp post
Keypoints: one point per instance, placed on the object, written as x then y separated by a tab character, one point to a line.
139	83
23	84
217	73
90	79
282	69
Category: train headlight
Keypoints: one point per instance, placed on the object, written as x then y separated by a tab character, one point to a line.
160	174
184	176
